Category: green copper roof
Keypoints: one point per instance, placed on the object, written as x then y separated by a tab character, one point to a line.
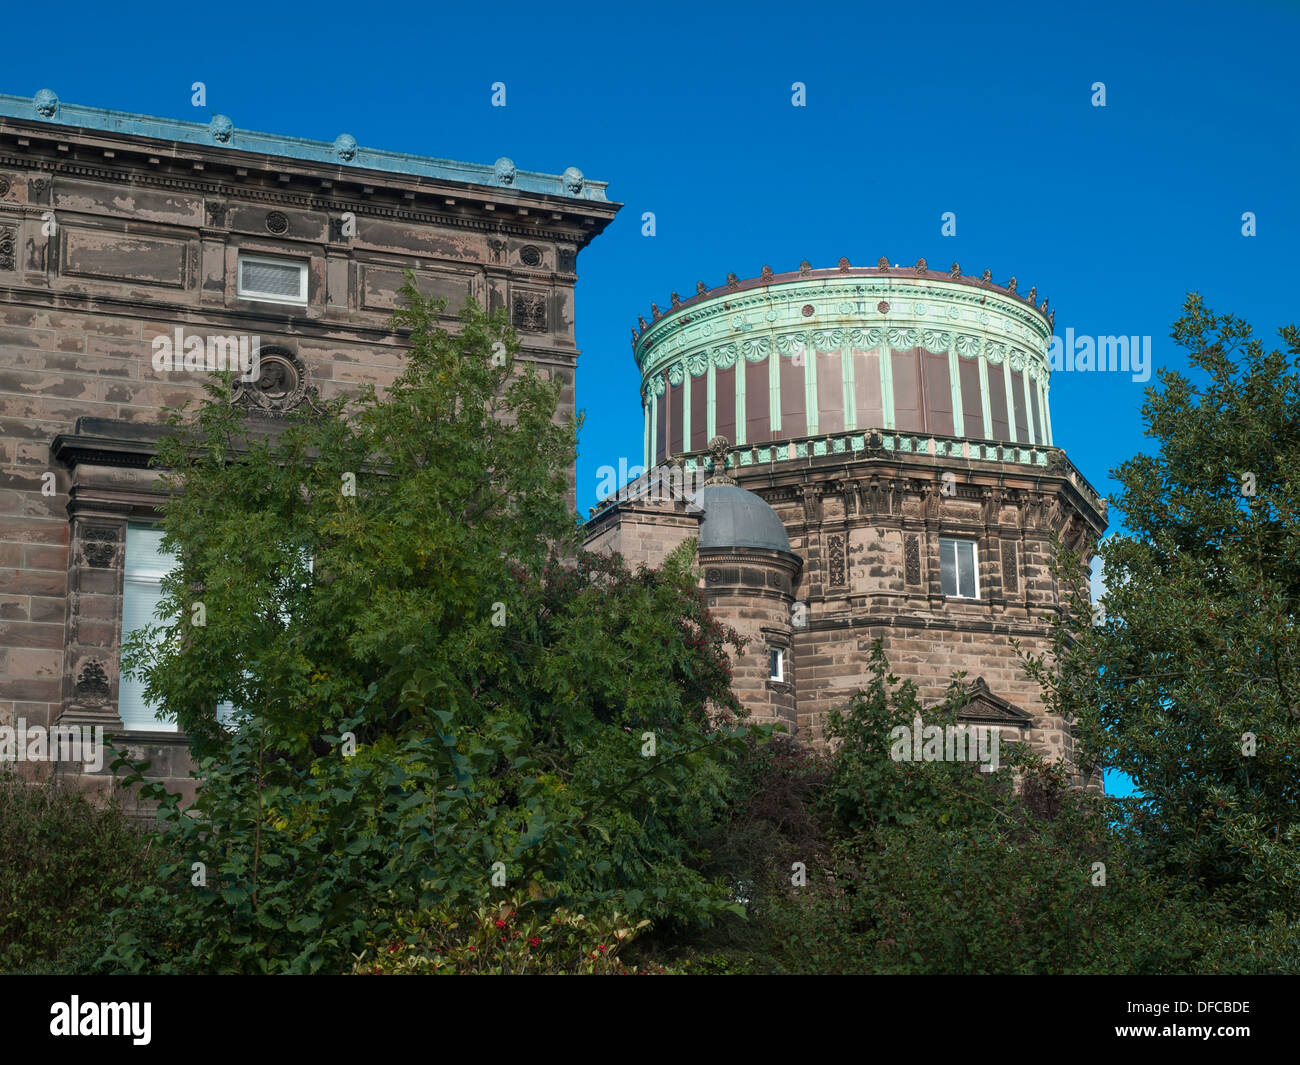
221	132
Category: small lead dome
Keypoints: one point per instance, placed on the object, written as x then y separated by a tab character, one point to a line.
734	517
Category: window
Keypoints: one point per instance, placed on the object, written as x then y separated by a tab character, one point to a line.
957	574
272	280
775	664
146	565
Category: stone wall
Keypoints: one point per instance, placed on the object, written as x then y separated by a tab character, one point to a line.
110	240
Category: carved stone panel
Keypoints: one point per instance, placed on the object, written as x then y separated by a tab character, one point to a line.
912	560
529	312
8	251
1010	577
835	560
99	546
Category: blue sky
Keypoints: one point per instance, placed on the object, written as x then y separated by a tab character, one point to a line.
984	110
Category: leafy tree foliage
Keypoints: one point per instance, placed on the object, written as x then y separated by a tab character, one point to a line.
440	698
1191	683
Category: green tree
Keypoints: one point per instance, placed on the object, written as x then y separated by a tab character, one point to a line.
441	699
1190	683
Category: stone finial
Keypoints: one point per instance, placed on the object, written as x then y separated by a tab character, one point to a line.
843	264
1011	285
641	322
767	272
987	276
1051	319
882	264
733	281
921	266
701	288
1033	294
718	448
805	268
634	337
676	299
1043	306
655	312
955	271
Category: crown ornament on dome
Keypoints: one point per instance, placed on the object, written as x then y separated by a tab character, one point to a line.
641	321
718	448
987	277
733	281
655	312
882	264
843	265
921	266
1011	285
767	274
955	271
805	268
701	288
1033	294
675	299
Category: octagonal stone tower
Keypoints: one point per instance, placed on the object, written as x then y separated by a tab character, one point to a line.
896	421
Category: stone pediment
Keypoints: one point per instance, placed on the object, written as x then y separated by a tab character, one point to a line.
986	708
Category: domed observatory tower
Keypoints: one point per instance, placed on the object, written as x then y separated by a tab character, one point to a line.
897	422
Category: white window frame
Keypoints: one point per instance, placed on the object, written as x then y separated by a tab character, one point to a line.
779	675
270	297
956	541
151	577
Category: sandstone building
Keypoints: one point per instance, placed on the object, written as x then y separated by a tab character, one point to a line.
117	229
883	467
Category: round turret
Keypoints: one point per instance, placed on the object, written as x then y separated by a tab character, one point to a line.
826	353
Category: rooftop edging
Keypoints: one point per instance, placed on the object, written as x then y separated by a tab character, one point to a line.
45	108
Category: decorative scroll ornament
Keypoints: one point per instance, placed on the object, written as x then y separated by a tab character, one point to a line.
903	339
826	340
1017	360
790	343
724	356
937	341
996	352
657	384
697	364
675	374
867	339
756	349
